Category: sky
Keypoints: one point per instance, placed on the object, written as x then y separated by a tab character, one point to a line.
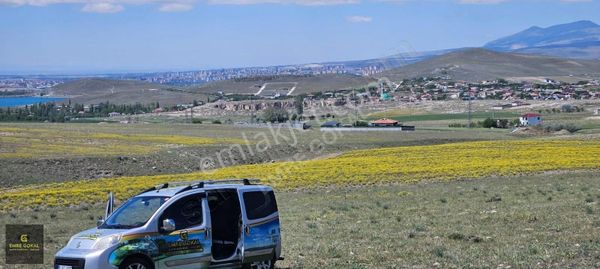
112	36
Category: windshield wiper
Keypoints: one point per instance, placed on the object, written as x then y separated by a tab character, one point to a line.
119	226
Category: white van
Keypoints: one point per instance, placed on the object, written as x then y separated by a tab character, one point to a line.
204	224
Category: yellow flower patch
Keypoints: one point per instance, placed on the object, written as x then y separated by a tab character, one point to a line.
399	164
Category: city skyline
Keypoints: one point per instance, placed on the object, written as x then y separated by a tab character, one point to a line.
79	37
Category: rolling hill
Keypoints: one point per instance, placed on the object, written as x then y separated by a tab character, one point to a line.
478	64
392	61
572	40
96	90
303	84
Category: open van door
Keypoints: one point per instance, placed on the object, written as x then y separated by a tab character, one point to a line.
184	237
261	229
110	204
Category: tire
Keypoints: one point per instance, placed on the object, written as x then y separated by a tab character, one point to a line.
268	264
136	263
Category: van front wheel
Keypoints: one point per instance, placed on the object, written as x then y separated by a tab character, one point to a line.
269	264
135	263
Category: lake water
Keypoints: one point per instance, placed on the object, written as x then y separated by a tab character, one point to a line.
26	100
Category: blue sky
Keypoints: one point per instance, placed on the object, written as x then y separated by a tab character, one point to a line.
92	36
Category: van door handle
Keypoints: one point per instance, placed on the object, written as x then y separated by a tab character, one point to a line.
247	230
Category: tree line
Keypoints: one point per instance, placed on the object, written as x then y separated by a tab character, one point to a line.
53	112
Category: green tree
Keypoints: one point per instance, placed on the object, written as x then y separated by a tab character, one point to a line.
567	108
299	104
360	124
489	123
274	114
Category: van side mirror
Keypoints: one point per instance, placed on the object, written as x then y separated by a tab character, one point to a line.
168	225
100	222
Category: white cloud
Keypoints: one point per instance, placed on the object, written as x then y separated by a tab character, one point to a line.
359	19
36	2
102	8
176	7
108	6
294	2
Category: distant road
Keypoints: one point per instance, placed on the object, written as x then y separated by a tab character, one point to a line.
275	83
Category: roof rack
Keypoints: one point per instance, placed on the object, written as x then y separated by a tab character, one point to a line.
245	181
200	184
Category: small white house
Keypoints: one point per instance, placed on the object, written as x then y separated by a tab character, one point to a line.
531	119
597	111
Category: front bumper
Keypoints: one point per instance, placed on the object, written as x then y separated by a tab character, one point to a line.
82	259
60	263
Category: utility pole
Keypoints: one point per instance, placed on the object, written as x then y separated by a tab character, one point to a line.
251	109
192	114
470	97
355	106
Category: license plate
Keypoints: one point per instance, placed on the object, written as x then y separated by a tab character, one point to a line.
65	267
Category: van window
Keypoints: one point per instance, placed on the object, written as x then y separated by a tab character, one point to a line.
134	213
186	212
259	204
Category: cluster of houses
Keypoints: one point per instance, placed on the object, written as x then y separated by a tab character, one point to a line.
429	89
440	89
372	125
527	119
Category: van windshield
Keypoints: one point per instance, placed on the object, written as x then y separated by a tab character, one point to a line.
134	213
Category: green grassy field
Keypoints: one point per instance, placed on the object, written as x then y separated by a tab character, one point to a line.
52	132
584	120
549	220
44	152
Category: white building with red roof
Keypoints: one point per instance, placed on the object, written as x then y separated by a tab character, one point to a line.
531	119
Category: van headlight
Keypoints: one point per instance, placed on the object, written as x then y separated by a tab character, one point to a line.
107	242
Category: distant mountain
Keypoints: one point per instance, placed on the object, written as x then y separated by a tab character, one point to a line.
572	40
96	90
478	64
